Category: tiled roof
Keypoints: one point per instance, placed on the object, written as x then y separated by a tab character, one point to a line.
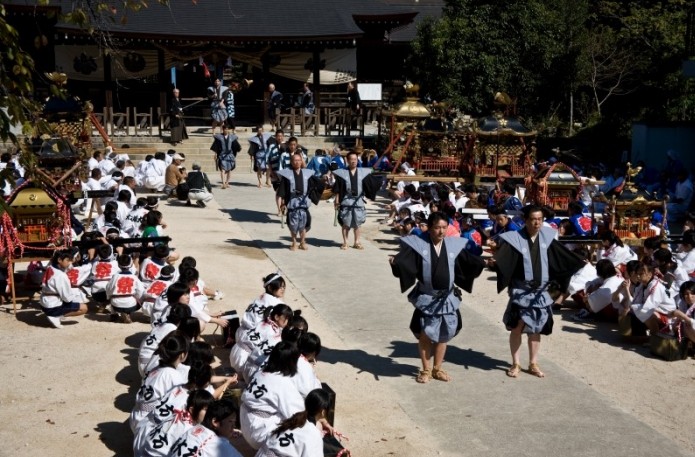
263	19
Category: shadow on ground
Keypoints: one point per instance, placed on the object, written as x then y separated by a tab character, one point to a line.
467	358
246	215
376	364
116	436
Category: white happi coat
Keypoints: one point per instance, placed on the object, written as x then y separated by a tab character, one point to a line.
155	385
305	379
77	276
617	255
102	271
151	343
580	278
169	420
151	294
253	316
651	298
687	260
205	443
254	343
124	289
304	441
55	288
603	296
269	399
150	270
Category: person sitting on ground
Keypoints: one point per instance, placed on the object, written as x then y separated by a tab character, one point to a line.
271	396
102	270
132	222
686	310
459	199
649	247
409	227
199	188
211	437
156	441
503	224
301	434
686	253
599	292
174	175
200	289
125	290
672	274
156	289
189	329
177	314
56	292
577	284
275	319
198	302
613	249
295	328
651	303
154	173
403	200
172	351
151	267
274	291
309	345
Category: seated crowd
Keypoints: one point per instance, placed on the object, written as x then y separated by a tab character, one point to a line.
648	291
182	407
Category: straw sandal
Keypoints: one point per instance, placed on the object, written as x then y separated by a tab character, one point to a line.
514	370
423	376
344	246
440	375
358	246
535	370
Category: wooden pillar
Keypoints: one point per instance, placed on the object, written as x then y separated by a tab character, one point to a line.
265	61
108	84
163	81
316	59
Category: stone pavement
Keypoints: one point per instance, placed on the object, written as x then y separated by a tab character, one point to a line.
481	412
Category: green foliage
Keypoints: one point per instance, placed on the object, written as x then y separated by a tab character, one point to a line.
16	85
615	59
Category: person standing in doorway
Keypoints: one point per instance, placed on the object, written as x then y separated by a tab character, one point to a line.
176	123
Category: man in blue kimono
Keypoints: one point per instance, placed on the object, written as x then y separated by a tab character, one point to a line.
298	188
439	265
526	261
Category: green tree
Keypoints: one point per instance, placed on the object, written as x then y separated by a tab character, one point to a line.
16	82
527	48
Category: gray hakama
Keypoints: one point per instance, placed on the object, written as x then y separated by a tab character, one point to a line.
294	190
226	150
349	187
435	297
258	150
525	267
